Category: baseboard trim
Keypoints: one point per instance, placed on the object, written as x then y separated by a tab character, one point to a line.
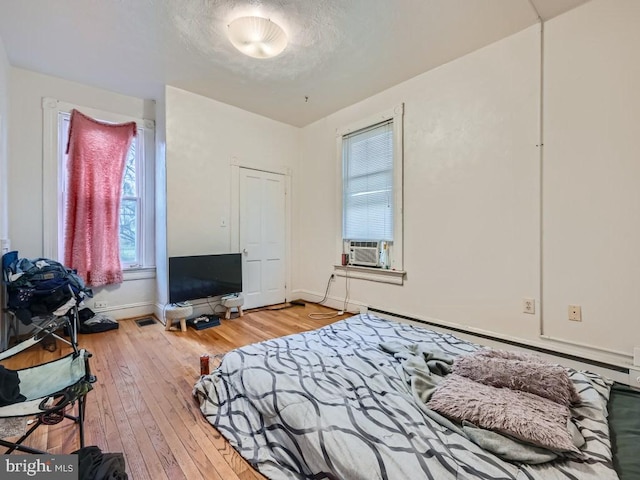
130	310
511	342
614	367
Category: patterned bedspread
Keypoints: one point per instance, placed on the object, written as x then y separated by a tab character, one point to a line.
331	404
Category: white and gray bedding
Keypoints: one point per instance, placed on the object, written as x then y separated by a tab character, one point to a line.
348	401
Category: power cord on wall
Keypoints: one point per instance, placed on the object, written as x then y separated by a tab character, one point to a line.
326	316
347	284
326	291
323	316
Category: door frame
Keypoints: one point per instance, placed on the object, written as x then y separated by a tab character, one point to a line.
234	220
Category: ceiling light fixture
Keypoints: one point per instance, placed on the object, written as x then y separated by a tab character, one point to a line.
257	37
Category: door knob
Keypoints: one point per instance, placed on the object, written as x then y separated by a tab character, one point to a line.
245	251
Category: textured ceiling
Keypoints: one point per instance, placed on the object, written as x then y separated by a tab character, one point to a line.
340	51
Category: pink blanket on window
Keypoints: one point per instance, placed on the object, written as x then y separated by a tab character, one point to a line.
97	157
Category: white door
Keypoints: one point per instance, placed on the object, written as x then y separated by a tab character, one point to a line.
262	237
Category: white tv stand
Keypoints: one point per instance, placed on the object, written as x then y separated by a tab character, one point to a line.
232	301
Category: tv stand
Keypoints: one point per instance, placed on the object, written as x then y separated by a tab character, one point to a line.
176	312
232	301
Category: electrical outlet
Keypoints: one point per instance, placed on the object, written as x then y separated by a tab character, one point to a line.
102	304
529	305
575	313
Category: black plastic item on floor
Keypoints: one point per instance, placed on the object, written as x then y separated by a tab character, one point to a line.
98	323
143	322
85	314
213	321
95	465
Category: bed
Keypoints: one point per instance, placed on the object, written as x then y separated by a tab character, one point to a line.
351	401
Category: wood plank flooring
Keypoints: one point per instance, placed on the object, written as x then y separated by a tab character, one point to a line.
142	403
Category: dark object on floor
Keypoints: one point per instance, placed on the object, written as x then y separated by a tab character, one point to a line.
85	314
143	322
93	464
211	321
278	306
98	323
298	302
49	342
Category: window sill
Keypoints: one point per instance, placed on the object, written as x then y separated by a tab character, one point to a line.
395	277
139	273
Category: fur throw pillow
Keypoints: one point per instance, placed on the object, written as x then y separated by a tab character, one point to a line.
521	415
518	371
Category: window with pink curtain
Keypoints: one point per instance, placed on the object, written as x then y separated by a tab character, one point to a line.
95	167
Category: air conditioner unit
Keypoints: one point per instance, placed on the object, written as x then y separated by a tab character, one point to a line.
366	254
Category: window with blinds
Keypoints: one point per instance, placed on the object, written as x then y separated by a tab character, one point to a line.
368	183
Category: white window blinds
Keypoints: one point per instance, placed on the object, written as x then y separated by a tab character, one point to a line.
367	157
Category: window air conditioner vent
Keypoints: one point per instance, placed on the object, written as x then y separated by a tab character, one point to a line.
364	253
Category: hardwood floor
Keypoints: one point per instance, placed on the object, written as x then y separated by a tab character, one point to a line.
142	403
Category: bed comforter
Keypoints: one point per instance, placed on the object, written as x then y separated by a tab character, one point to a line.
332	404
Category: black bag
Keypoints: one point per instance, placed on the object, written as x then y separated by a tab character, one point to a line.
93	464
92	323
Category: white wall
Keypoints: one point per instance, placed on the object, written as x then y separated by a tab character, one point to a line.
133	297
470	192
4	113
203	139
473	190
591	193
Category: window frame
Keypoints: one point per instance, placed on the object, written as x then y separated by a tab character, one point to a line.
54	179
396	263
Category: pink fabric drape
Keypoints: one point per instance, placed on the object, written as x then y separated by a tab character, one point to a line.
95	168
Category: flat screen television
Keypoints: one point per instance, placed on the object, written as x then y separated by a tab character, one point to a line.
202	276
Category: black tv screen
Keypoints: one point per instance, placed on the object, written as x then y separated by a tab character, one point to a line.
203	276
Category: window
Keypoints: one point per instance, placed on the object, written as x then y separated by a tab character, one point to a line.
371	165
136	209
367	188
131	202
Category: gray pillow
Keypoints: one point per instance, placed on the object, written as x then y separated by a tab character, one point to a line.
522	415
518	371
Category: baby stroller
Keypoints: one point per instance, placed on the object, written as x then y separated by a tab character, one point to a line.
44	296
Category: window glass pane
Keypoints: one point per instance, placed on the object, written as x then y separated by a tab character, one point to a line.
368	184
128	230
129	179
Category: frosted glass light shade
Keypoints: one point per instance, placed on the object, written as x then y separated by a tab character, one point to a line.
257	37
